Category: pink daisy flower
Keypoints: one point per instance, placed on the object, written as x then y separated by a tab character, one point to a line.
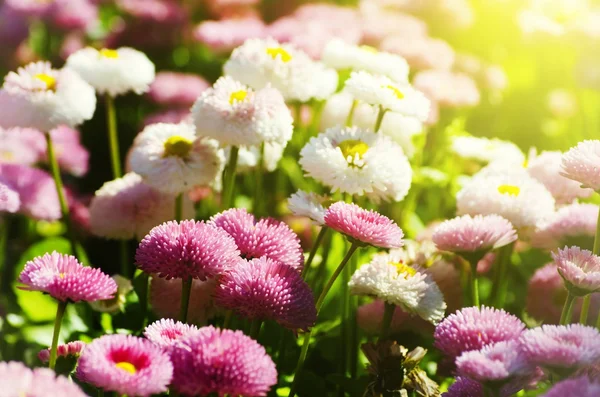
222	362
581	386
264	289
9	198
18	380
166	332
573	224
582	164
472	328
464	387
153	10
65	279
560	347
125	364
226	34
72	156
579	268
265	237
363	227
474	233
187	249
421	52
21	145
73	14
447	88
71	349
176	89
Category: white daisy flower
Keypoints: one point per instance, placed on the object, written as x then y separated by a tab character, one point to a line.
40	97
260	62
248	157
114	72
340	55
234	114
309	205
413	289
487	150
381	91
357	161
172	159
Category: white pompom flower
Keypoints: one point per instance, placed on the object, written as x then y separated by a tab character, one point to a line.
487	150
357	161
172	159
114	72
234	114
37	96
309	205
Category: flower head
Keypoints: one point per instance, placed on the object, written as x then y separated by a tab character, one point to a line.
125	364
464	387
9	198
18	380
117	303
223	362
65	279
113	72
362	226
309	205
224	35
582	164
69	349
421	51
448	89
580	269
265	237
573	224
487	150
72	156
166	332
499	362
265	289
173	159
21	145
356	161
176	89
187	249
234	114
581	386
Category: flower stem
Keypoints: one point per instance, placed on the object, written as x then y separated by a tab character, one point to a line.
255	328
60	312
388	315
314	249
567	312
379	120
113	137
125	268
179	207
227	319
585	309
186	289
258	182
229	178
474	285
499	293
351	113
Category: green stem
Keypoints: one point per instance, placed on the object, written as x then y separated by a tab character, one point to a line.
567	312
229	178
60	312
179	207
314	249
353	307
379	120
598	321
255	328
345	320
500	283
583	316
258	184
113	137
474	285
228	318
316	117
100	393
351	113
186	289
315	282
388	315
596	248
64	206
124	251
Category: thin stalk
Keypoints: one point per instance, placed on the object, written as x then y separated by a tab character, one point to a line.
388	315
379	120
100	393
316	117
474	285
345	321
314	249
567	312
598	321
228	318
585	307
321	270
499	294
186	289
125	268
113	137
354	338
351	113
281	349
588	298
144	298
258	183
179	207
229	178
255	328
60	313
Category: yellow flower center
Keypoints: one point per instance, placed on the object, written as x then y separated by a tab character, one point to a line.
404	269
48	80
396	91
177	146
275	52
125	366
237	96
368	48
511	190
353	147
107	53
61	275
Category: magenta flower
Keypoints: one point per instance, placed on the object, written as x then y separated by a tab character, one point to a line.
223	362
464	387
65	279
573	224
581	386
472	328
18	380
362	226
166	332
264	289
177	89
9	198
561	347
580	269
71	349
266	237
582	164
499	362
125	364
186	249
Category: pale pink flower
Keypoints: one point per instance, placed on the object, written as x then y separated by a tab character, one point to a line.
176	89
582	164
71	349
166	332
153	10
226	34
448	89
580	269
573	224
421	52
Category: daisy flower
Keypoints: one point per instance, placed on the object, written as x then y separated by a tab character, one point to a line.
223	362
173	159
580	269
582	164
448	89
113	72
260	62
381	91
411	288
18	380
546	294
421	51
21	145
581	386
356	161
224	35
464	387
65	279
71	349
125	364
37	96
486	150
573	224
234	114
309	205
117	303
72	156
9	198
165	332
176	89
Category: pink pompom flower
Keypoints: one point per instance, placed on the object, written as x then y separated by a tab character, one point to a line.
264	289
18	380
465	387
166	332
363	227
265	237
9	198
581	386
582	164
176	89
573	224
580	269
186	249
223	362
71	349
65	279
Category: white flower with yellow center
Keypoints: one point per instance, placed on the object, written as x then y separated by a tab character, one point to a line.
411	288
340	55
381	91
357	161
114	72
262	62
172	159
310	205
235	114
40	97
486	150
